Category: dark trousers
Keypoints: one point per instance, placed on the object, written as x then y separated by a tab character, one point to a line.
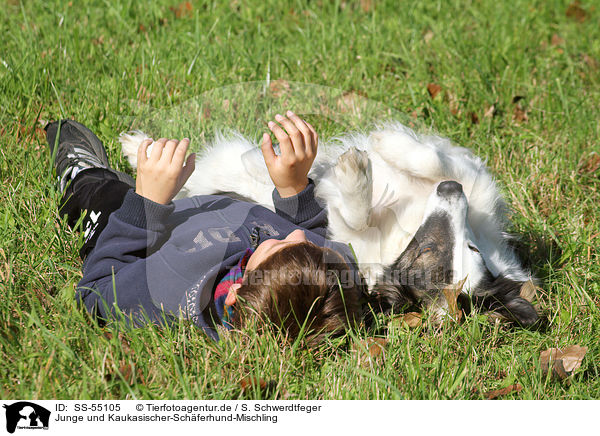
99	193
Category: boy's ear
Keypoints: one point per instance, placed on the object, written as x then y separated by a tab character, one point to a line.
232	294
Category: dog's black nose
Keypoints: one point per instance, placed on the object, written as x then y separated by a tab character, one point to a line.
449	188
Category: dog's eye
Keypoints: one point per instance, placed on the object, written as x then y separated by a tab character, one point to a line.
424	250
473	248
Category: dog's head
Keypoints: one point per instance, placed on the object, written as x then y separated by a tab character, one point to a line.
444	251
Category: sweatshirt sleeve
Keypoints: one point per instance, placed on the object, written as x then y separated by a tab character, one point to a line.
114	274
302	209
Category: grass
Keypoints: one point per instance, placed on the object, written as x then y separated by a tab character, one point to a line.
112	65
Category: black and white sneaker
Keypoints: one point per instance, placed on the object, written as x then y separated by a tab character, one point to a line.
77	149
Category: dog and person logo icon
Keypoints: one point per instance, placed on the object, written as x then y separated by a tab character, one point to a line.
26	415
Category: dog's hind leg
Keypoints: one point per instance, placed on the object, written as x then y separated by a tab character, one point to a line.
347	189
403	151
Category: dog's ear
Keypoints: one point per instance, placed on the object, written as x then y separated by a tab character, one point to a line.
387	297
521	311
502	296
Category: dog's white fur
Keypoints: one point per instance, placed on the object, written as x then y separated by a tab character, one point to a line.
377	189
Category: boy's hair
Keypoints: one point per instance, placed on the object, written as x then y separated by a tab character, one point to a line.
301	285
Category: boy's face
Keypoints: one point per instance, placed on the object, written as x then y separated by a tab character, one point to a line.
265	250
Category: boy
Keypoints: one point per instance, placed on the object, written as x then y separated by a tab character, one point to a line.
211	259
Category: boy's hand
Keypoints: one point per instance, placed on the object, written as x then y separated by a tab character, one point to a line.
161	176
289	171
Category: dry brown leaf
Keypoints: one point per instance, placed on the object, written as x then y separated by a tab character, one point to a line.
564	361
490	111
453	103
428	36
590	61
492	395
473	117
184	9
556	40
375	347
206	111
351	102
248	382
279	87
366	5
528	291
451	294
411	319
519	114
127	371
98	41
590	164
434	89
576	12
5	270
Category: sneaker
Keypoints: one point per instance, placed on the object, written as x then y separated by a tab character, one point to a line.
77	149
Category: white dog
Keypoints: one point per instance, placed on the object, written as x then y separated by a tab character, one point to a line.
420	213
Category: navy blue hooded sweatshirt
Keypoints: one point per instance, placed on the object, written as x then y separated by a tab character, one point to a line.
157	261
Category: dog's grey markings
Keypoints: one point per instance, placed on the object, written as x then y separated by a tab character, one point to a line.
423	268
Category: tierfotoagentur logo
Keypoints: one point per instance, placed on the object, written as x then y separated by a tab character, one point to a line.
26	415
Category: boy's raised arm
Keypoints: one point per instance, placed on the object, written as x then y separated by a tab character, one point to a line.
298	145
161	175
293	196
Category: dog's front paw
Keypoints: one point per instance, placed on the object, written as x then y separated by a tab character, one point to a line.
354	179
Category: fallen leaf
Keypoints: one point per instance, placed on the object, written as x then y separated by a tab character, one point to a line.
576	12
519	114
249	382
564	361
206	111
375	347
279	87
556	40
127	371
411	319
590	164
490	111
349	102
267	388
590	61
492	395
434	89
366	5
182	10
98	41
453	103
451	294
528	291
5	270
428	36
473	117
